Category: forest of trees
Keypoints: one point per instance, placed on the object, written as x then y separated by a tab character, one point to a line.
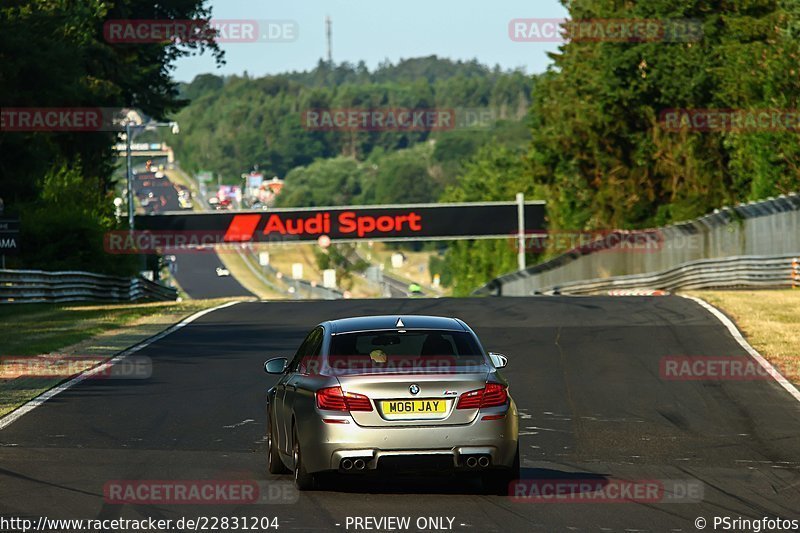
236	123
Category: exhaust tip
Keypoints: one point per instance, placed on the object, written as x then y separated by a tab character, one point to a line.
359	464
483	461
472	462
347	464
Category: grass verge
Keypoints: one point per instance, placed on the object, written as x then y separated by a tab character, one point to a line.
770	319
51	334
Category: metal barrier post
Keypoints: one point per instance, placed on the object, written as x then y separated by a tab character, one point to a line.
520	231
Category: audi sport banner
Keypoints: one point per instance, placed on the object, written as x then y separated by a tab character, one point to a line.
380	223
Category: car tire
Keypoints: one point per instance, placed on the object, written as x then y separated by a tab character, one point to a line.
497	481
302	479
274	463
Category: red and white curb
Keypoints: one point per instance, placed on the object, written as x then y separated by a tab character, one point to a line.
638	292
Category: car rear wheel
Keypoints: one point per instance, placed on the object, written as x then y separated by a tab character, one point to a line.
497	481
302	479
274	463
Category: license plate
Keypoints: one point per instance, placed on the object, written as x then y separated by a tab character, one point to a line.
414	407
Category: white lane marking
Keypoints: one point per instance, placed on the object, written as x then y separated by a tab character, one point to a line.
239	424
738	337
26	408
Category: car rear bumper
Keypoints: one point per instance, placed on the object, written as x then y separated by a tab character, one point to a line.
326	445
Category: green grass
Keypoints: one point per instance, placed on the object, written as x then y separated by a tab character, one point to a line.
32	329
769	320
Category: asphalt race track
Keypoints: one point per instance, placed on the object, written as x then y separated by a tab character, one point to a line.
584	372
196	274
196	271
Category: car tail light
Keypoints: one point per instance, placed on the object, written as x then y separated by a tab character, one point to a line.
470	400
492	395
357	402
333	399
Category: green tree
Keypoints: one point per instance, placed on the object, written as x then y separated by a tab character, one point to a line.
65	228
324	182
344	259
402	177
496	173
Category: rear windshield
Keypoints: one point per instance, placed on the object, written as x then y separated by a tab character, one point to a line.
410	351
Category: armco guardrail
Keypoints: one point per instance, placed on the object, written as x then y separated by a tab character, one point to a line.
29	286
729	272
759	229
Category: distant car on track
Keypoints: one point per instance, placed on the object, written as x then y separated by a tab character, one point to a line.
223	272
185	203
259	206
414	289
392	393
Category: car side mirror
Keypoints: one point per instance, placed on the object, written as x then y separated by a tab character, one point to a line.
498	360
276	365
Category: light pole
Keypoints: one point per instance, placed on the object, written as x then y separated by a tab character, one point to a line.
128	135
521	231
130	127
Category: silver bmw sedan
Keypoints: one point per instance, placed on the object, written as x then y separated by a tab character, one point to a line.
392	393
